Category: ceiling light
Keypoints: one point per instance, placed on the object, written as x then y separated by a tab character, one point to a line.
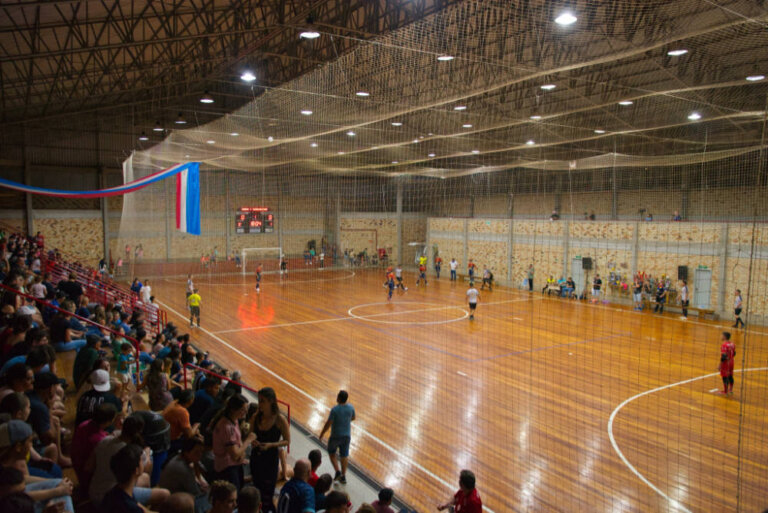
535	118
341	153
599	131
143	137
694	116
431	155
306	112
351	133
180	120
206	98
460	107
234	134
566	18
211	141
421	137
677	53
270	138
475	151
158	127
186	156
466	125
363	93
314	145
548	87
430	134
395	162
396	123
309	34
415	141
625	102
530	142
755	78
247	77
444	58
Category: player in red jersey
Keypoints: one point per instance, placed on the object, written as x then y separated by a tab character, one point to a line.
471	267
422	275
258	278
390	284
727	358
438	266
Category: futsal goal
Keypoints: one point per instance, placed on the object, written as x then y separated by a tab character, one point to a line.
269	258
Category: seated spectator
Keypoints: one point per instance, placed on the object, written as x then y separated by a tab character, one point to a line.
46	426
179	502
87	437
561	286
183	473
235	383
337	502
16	406
296	496
204	398
200	376
98	395
177	415
223	497
365	508
71	288
467	499
315	459
15	333
383	505
249	500
85	359
18	353
15	444
157	385
127	465
322	487
156	436
29	310
37	289
64	338
676	217
18	378
82	309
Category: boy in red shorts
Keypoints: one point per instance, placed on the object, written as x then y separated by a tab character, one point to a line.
727	357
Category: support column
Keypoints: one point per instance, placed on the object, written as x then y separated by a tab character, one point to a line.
399	209
28	213
340	250
103	205
635	246
227	214
510	249
466	243
168	229
722	269
566	246
614	195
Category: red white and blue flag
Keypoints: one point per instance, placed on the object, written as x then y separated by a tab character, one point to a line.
188	200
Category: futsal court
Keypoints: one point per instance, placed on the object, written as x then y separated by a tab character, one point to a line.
593	407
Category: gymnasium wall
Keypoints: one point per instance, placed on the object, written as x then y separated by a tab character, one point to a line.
371	230
508	247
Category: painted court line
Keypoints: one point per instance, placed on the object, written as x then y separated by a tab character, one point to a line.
536	349
674	503
448	485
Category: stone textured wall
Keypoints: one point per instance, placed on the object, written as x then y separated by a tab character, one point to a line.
491	254
448	249
359	233
81	238
414	230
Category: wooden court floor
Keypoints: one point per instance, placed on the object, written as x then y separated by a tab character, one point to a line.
555	405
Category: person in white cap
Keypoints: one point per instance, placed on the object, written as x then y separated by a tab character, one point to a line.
100	393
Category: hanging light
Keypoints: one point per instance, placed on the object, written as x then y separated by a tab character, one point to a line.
625	103
677	53
460	107
270	138
548	87
180	120
755	78
306	112
694	116
475	151
363	93
314	145
247	76
351	133
143	136
535	117
445	58
206	98
566	18
530	142
466	125
158	127
599	131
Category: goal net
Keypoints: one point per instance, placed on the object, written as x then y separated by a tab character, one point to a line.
268	258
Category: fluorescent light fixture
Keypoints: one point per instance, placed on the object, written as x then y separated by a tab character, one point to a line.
530	142
431	155
694	116
535	118
566	18
363	93
677	53
143	137
415	141
395	162
270	138
548	87
180	120
466	125
351	133
444	58
626	102
247	77
186	156
158	127
430	134
309	34
755	78
306	112
211	141
599	131
460	107
340	153
396	123
234	134
314	145
206	98
475	151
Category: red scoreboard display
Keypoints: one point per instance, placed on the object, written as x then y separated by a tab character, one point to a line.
254	220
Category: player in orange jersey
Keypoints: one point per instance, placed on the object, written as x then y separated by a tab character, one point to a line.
258	278
727	357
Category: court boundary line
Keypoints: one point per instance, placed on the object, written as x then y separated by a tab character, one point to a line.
373	437
281	283
673	502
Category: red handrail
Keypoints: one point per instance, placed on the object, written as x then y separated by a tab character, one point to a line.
225	378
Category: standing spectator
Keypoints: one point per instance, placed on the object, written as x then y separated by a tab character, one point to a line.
228	445
157	384
340	423
272	432
661	297
249	500
597	284
145	292
385	501
183	473
466	500
737	306
223	497
637	293
677	217
453	265
204	398
296	496
684	302
71	288
177	415
530	278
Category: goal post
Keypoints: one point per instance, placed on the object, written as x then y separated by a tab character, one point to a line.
268	257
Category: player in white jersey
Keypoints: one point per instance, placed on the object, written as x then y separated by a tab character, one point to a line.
190	286
473	296
454	265
399	277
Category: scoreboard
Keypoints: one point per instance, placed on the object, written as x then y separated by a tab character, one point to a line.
254	220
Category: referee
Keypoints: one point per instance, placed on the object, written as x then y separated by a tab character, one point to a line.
194	301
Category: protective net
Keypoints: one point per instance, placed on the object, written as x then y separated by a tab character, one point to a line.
629	143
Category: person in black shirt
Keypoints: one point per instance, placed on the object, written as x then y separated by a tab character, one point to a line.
71	288
597	284
127	465
89	401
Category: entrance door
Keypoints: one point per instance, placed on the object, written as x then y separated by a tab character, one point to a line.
577	273
702	287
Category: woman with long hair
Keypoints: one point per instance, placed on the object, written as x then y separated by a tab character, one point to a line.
228	445
271	431
157	385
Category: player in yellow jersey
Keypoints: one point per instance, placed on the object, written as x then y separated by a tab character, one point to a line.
194	301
